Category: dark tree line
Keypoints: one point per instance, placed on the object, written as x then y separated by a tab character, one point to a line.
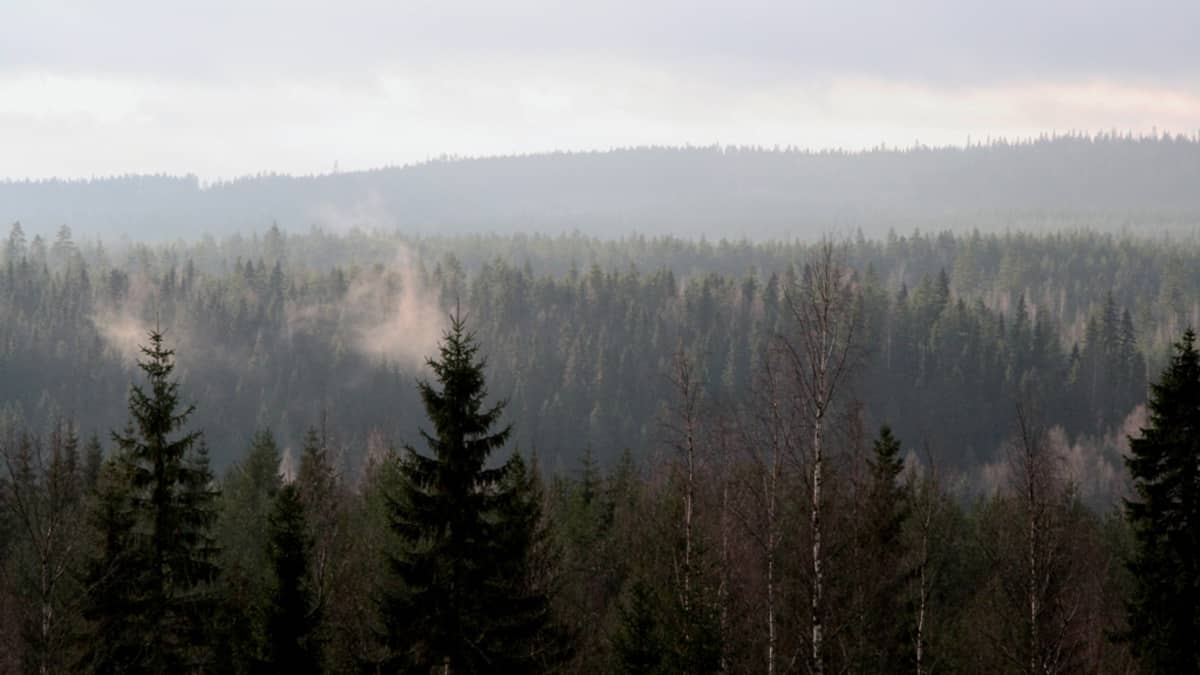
141	561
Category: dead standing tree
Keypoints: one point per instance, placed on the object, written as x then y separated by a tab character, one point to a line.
821	349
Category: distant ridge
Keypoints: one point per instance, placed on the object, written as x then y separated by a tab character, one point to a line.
1106	181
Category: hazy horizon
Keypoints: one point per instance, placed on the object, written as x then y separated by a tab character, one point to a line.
240	89
1107	183
970	142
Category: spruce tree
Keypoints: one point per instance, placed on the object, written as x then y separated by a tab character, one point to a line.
1164	462
247	498
199	555
111	582
293	620
93	460
638	645
172	500
323	495
882	630
463	600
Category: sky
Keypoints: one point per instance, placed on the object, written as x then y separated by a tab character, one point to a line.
226	88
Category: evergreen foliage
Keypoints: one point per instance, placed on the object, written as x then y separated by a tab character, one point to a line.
638	646
172	499
93	460
463	598
328	513
881	573
1164	463
293	641
247	497
111	576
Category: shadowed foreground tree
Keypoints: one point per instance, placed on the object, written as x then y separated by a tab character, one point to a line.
293	644
157	514
881	575
638	644
1164	462
464	597
110	574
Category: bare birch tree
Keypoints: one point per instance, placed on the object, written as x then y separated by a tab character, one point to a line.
821	350
769	441
928	503
1041	602
44	502
682	426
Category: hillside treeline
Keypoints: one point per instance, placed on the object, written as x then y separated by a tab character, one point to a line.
1111	181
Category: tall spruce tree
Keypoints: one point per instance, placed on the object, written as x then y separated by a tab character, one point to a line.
462	600
1164	462
293	621
172	500
247	499
882	629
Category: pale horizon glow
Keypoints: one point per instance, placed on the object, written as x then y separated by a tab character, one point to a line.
266	102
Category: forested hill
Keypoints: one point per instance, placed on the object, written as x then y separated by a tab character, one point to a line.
1110	182
289	331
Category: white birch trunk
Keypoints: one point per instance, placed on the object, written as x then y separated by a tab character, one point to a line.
818	662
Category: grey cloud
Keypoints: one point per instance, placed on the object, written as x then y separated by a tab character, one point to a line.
943	42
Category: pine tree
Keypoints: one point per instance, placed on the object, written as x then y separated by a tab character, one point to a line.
1164	462
293	621
173	505
463	600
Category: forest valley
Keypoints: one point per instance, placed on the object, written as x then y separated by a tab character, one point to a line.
928	453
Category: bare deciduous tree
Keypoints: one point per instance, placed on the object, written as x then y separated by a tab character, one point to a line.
927	504
1035	542
682	427
44	502
821	350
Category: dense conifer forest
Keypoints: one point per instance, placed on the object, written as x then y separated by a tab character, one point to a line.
375	452
285	331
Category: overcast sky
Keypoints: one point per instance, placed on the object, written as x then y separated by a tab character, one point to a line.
223	88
